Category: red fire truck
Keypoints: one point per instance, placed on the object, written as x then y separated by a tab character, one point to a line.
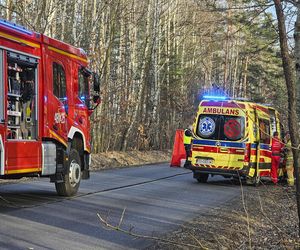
45	104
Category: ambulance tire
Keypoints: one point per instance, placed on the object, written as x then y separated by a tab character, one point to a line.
72	179
202	178
254	181
257	181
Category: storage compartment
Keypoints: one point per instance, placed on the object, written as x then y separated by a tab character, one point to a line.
21	97
49	158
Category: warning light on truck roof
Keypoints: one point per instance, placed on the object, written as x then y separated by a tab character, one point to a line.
217	98
15	27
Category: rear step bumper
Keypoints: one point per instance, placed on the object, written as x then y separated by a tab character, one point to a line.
219	171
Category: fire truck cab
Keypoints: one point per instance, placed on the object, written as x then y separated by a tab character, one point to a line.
44	108
233	138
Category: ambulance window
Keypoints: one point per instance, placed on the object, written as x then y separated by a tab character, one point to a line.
59	81
221	127
234	128
208	126
264	131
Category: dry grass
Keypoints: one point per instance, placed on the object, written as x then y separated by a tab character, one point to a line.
271	222
116	159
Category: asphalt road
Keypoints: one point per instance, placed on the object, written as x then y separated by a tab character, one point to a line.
157	198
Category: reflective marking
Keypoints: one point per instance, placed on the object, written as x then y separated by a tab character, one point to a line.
23	170
16	39
222	143
67	54
2	156
60	139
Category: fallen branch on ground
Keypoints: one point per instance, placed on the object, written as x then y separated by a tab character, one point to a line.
129	232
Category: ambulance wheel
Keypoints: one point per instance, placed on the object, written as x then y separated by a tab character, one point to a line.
257	181
72	179
202	178
254	181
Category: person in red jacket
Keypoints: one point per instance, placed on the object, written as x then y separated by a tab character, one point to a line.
276	148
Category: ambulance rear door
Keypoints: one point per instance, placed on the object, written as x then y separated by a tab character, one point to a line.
222	140
263	141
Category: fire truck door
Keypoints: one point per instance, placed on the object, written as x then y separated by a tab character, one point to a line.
58	103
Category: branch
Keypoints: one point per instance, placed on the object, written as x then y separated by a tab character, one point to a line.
129	232
246	211
294	2
264	214
224	9
19	14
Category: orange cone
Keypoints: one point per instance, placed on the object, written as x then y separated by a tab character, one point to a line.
178	149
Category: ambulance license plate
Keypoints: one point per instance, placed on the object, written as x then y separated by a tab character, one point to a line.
205	161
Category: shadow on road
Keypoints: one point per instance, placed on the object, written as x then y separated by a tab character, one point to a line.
17	199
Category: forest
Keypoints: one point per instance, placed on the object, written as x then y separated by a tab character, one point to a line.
157	57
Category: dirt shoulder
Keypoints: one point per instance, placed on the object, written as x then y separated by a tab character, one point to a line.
117	159
264	217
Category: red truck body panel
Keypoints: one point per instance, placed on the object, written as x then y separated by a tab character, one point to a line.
55	119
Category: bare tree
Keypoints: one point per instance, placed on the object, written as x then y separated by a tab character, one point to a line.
291	87
155	57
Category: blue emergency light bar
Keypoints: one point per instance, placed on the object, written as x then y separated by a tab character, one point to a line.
217	98
15	27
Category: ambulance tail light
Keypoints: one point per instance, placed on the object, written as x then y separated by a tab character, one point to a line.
247	152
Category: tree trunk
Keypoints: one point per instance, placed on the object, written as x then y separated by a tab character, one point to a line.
139	96
63	22
9	12
243	84
291	89
74	23
50	28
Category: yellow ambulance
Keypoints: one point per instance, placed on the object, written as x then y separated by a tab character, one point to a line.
232	138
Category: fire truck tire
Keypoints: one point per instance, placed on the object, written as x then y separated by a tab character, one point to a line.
202	178
71	180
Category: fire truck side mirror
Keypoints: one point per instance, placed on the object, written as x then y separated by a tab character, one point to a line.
96	99
96	80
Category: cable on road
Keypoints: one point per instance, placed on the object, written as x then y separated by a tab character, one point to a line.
14	205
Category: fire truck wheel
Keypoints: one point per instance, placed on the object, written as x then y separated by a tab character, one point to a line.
71	180
202	178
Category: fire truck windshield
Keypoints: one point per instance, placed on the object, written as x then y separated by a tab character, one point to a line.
221	127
